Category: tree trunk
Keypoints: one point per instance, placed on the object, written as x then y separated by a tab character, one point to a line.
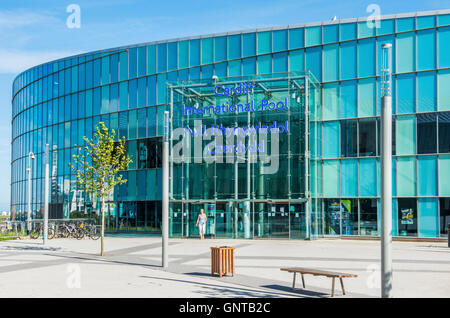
102	234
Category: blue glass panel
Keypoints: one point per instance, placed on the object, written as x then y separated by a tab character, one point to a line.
142	61
330	33
405	94
123	96
172	52
296	38
207	72
132	94
194	73
220	48
220	69
348	60
405	24
279	39
123	68
151	86
394	218
96	101
248	44
151	59
349	178
114	67
105	100
426	49
427	175
234	46
348	100
249	66
426	22
426	91
161	86
151	119
428	217
444	46
331	139
132	63
96	72
142	92
194	52
366	65
123	125
162	57
113	97
443	19
314	62
280	62
386	27
348	31
367	177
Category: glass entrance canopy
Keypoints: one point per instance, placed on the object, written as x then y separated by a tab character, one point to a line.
240	148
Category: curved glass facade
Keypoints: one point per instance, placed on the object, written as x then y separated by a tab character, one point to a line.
60	102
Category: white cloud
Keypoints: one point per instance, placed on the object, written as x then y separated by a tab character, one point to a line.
16	61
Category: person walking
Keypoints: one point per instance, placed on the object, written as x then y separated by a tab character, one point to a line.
201	223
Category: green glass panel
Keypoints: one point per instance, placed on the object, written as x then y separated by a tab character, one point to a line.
207	50
297	60
234	68
443	175
366	97
330	101
405	135
331	183
405	49
331	62
444	47
264	42
183	54
365	31
406	176
313	35
264	64
443	90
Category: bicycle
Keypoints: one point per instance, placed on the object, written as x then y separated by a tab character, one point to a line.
89	230
38	231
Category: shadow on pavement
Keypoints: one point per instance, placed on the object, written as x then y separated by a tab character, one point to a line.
225	290
302	292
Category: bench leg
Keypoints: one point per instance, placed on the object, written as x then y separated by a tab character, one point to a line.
342	285
293	283
332	288
303	281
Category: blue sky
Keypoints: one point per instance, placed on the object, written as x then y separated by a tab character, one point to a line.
35	31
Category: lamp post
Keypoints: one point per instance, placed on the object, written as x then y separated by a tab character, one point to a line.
386	173
165	192
30	157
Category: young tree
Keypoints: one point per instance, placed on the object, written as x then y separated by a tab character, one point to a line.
98	167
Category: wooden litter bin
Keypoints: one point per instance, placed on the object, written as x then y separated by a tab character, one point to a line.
222	260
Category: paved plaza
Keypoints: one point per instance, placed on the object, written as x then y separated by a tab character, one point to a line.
131	268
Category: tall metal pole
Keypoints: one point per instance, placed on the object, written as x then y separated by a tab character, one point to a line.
386	173
30	157
165	192
46	184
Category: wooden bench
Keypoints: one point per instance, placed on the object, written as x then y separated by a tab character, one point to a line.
318	272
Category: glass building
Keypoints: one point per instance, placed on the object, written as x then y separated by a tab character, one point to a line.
327	180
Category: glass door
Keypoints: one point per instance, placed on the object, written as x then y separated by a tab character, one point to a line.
297	218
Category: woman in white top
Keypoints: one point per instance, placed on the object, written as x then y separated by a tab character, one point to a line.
201	223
